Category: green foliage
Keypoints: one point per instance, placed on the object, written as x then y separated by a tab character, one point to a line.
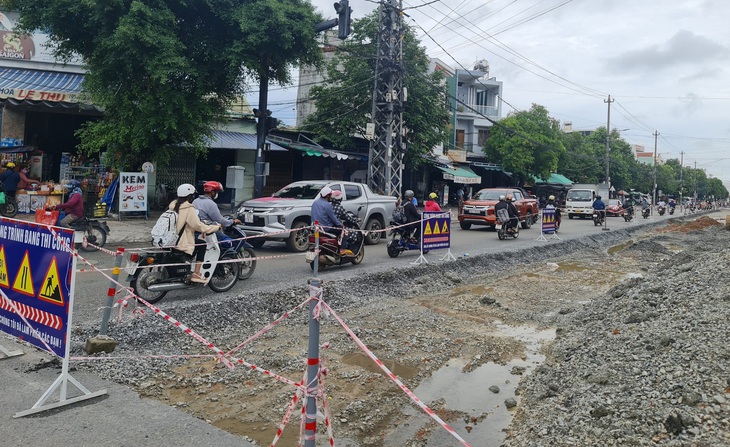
165	70
344	102
528	143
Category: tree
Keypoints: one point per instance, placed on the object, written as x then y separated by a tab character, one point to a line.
580	162
528	143
344	102
164	71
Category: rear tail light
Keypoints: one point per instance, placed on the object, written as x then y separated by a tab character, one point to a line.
134	257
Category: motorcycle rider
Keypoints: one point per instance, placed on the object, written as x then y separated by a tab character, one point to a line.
207	208
10	179
672	205
345	217
551	205
431	204
629	206
505	202
188	222
324	213
599	207
412	216
661	205
74	206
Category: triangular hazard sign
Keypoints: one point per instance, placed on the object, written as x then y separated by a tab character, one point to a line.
445	229
3	268
51	286
24	279
427	231
436	228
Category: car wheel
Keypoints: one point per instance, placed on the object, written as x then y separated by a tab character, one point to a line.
527	223
570	216
375	233
256	242
464	225
298	239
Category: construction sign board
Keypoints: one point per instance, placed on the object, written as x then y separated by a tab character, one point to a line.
436	230
36	275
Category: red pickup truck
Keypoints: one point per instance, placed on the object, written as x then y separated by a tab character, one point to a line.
479	210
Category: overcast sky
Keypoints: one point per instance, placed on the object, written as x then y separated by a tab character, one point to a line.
665	62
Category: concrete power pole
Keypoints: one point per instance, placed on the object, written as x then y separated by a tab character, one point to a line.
681	184
385	164
653	197
608	156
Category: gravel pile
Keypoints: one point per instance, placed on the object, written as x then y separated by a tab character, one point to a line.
644	364
647	363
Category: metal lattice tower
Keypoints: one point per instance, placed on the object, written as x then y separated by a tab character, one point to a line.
385	165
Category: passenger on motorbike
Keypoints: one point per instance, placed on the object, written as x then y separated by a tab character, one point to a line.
324	213
431	204
188	222
74	206
599	207
345	217
505	202
413	217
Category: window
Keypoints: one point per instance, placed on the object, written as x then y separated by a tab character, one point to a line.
352	192
517	195
482	137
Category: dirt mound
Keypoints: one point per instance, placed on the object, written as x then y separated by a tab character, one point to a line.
685	227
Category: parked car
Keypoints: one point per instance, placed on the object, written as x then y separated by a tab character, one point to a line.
290	209
479	210
615	208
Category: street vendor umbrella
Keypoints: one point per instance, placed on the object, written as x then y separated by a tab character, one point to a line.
623	193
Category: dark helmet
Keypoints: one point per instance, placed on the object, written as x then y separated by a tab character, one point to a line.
598	197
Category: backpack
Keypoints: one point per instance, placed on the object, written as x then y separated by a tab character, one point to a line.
399	215
164	232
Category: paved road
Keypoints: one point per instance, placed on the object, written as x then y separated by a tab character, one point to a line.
289	269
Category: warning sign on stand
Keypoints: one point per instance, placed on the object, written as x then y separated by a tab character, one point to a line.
51	287
24	278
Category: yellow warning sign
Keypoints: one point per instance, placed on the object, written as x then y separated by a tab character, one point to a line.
3	268
427	231
51	286
436	228
445	229
24	279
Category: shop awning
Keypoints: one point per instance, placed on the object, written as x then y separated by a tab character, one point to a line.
316	150
462	175
555	179
39	85
225	139
17	149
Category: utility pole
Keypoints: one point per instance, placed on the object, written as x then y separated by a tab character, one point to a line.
608	157
694	181
261	130
385	162
653	197
681	185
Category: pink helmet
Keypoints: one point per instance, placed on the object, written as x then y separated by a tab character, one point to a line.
336	195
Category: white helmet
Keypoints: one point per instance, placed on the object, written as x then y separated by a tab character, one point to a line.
185	190
408	193
324	192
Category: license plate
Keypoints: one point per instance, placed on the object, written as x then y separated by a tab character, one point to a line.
248	217
131	267
473	211
309	256
498	227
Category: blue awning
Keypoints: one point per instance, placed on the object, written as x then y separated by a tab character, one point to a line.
225	139
39	85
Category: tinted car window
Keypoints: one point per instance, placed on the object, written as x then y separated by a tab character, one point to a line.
517	195
352	192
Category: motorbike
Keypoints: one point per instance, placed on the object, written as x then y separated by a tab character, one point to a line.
661	210
401	240
501	226
629	214
598	217
155	272
329	247
234	239
10	207
671	210
645	212
90	231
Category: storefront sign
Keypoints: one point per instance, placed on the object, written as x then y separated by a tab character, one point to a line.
36	274
132	192
19	47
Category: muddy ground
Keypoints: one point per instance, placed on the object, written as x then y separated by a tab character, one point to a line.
495	327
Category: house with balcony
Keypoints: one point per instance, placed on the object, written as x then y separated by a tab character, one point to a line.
475	103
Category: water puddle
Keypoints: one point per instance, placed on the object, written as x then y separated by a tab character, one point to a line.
620	247
477	414
361	360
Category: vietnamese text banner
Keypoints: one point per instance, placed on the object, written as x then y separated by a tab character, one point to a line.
436	230
36	273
